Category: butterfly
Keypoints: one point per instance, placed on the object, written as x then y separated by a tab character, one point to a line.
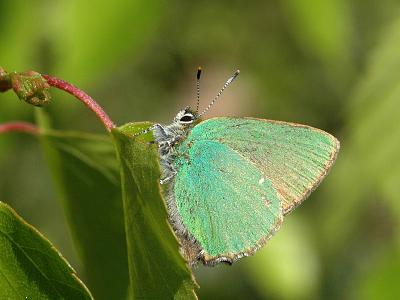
230	181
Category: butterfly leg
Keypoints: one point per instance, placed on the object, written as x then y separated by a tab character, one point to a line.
169	171
166	179
160	131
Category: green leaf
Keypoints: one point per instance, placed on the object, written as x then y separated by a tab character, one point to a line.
30	267
156	269
87	176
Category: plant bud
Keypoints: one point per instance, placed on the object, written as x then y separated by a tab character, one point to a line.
31	87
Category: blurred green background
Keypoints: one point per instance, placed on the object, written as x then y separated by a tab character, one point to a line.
330	64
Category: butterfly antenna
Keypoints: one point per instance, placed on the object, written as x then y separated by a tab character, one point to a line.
227	83
198	88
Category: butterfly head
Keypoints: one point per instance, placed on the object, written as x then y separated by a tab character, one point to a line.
187	118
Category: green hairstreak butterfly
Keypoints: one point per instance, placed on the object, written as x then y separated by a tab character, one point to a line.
232	180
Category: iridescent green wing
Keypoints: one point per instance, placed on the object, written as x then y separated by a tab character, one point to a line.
294	158
224	200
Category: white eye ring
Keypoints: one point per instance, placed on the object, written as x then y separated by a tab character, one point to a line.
186	119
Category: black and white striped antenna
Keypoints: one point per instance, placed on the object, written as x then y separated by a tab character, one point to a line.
227	83
198	88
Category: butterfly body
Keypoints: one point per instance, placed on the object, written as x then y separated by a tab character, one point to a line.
231	180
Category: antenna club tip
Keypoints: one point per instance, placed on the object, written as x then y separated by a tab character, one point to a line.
237	72
198	73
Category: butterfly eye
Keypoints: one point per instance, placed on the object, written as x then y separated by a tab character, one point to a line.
187	118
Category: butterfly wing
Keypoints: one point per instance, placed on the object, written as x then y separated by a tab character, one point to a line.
294	157
238	176
224	200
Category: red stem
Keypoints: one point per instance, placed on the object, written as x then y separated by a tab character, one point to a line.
18	126
83	97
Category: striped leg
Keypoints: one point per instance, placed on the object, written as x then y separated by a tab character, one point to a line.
151	128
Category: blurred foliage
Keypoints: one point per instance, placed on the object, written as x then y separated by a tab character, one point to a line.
330	64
